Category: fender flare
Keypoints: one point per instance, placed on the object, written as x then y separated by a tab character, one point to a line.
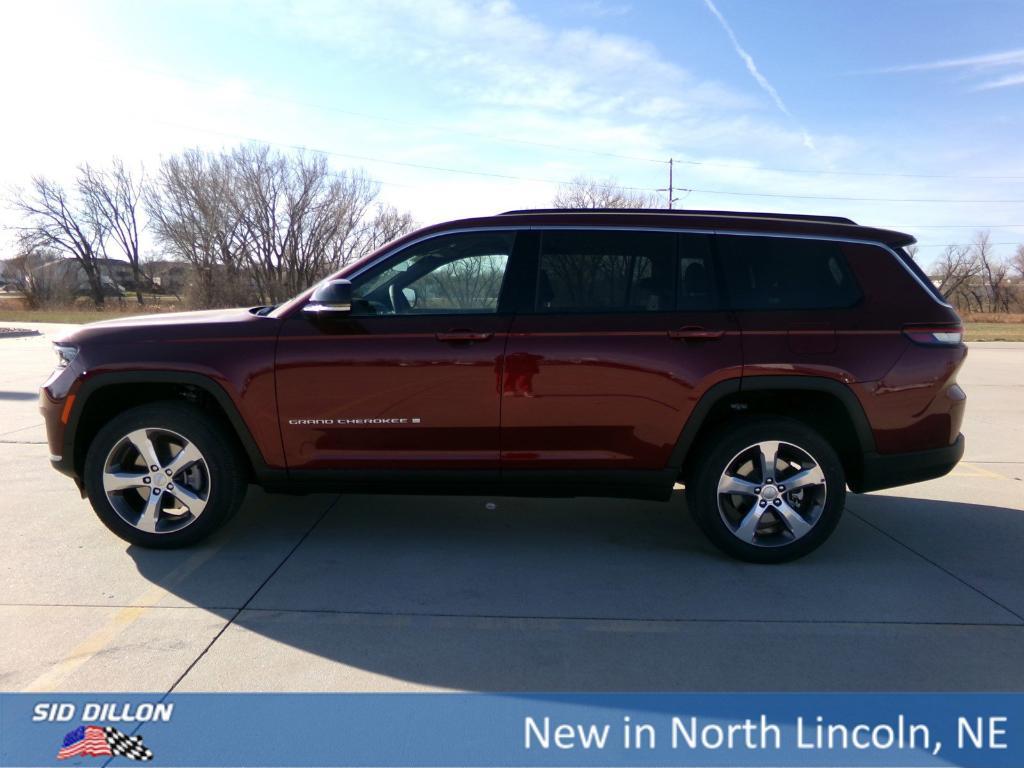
200	381
723	389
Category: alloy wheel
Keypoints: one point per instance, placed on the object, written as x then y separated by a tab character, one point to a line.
156	480
771	494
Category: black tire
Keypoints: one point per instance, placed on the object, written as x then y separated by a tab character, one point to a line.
223	469
721	516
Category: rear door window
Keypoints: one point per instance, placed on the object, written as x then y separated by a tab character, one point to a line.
697	287
764	273
605	271
625	271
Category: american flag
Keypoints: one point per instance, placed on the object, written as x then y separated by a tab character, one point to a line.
96	741
85	740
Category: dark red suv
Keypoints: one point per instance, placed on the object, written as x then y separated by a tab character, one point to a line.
765	361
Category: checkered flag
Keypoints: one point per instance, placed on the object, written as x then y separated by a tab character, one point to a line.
97	741
127	746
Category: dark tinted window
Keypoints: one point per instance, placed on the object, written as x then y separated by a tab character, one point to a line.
786	273
698	286
606	271
914	267
625	272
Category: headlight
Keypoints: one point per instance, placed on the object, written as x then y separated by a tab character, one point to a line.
65	354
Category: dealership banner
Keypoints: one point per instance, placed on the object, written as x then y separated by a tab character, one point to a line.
542	729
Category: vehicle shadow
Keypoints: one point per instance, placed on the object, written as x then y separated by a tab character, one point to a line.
7	395
543	594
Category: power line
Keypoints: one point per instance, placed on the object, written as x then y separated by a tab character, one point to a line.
742	167
399	121
563	147
854	199
544	180
949	226
403	163
947	245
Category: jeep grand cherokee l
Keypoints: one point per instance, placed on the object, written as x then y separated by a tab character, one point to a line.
767	362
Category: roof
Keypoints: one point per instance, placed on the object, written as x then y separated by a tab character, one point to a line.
714	221
691	212
737	221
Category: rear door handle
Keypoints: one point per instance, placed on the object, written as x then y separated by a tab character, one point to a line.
462	335
695	333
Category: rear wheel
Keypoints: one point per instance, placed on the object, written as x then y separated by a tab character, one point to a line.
768	490
162	475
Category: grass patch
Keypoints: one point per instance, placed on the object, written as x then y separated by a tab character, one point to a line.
985	317
68	315
14	310
994	331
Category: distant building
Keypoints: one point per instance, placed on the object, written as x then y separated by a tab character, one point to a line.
169	277
115	276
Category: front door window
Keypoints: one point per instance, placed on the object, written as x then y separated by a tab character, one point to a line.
454	274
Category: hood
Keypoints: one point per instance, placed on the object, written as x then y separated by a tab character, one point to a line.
167	326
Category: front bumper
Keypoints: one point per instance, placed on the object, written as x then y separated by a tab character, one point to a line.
57	398
888	470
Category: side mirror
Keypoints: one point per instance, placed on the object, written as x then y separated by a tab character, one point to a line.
410	296
333	298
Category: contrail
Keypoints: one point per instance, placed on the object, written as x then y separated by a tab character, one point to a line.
756	73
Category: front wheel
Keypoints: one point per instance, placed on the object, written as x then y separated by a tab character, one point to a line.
162	475
768	490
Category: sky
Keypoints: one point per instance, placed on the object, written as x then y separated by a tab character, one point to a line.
905	114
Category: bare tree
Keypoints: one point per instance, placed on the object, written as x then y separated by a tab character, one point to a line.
955	269
585	192
386	224
1018	261
912	251
192	216
55	221
994	273
27	273
297	216
469	283
112	200
268	222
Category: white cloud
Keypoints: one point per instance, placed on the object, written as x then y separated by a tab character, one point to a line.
491	53
601	9
983	61
977	66
1002	82
468	85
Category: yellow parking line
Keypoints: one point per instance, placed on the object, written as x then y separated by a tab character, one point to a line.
101	638
967	469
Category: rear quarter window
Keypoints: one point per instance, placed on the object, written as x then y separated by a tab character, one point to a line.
763	273
920	274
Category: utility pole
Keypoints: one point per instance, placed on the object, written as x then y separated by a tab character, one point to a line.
670	200
671	188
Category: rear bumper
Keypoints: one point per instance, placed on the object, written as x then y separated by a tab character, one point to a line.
888	470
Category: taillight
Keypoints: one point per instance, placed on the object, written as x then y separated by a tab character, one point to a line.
935	335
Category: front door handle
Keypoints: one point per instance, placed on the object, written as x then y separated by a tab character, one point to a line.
463	335
695	333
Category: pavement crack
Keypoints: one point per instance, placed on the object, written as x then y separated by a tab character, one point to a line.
938	565
251	597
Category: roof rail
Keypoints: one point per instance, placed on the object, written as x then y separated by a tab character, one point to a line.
690	212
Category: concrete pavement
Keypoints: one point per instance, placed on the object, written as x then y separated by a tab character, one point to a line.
920	588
